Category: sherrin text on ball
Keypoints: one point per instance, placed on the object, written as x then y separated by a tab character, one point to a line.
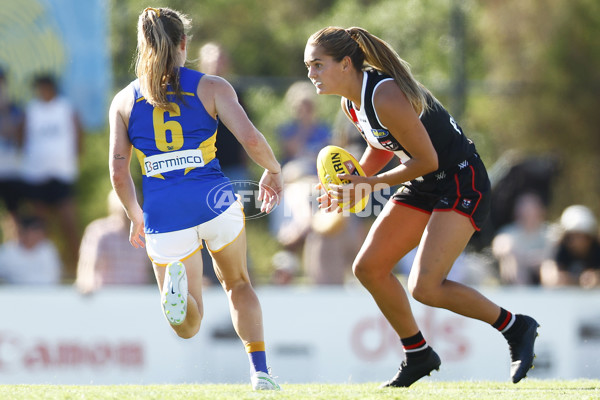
334	160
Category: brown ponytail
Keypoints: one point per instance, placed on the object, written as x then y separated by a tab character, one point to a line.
367	50
160	32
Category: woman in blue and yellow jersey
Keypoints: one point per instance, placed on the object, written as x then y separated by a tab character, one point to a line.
168	117
443	199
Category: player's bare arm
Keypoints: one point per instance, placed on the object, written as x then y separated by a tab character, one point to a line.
224	103
396	113
120	150
220	99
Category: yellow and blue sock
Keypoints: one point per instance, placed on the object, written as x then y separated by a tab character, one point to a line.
257	356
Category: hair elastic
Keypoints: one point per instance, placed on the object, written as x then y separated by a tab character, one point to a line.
156	10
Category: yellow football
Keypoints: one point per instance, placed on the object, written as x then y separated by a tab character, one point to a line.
334	160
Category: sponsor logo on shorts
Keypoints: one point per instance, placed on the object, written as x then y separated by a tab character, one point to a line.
172	161
466	203
440	175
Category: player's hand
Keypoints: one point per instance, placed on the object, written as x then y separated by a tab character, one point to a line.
326	203
347	195
270	190
136	230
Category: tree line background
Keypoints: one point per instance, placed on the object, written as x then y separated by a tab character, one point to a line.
521	77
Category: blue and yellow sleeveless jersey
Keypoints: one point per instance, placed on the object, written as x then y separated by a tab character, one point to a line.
182	182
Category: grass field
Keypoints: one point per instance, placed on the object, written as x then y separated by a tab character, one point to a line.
530	389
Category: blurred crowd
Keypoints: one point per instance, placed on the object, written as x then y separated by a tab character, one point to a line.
40	148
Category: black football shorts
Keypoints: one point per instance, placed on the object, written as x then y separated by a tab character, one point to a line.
464	188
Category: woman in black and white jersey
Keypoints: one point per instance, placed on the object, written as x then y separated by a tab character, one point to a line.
444	198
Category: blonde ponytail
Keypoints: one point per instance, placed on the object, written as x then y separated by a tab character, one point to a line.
160	32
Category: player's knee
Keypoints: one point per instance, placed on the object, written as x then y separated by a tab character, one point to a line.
188	331
419	293
367	272
235	284
423	292
360	270
185	334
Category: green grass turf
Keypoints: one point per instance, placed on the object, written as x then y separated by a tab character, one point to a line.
530	389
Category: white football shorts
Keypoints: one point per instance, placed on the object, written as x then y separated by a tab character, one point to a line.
163	248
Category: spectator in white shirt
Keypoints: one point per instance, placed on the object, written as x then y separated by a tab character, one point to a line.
32	259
